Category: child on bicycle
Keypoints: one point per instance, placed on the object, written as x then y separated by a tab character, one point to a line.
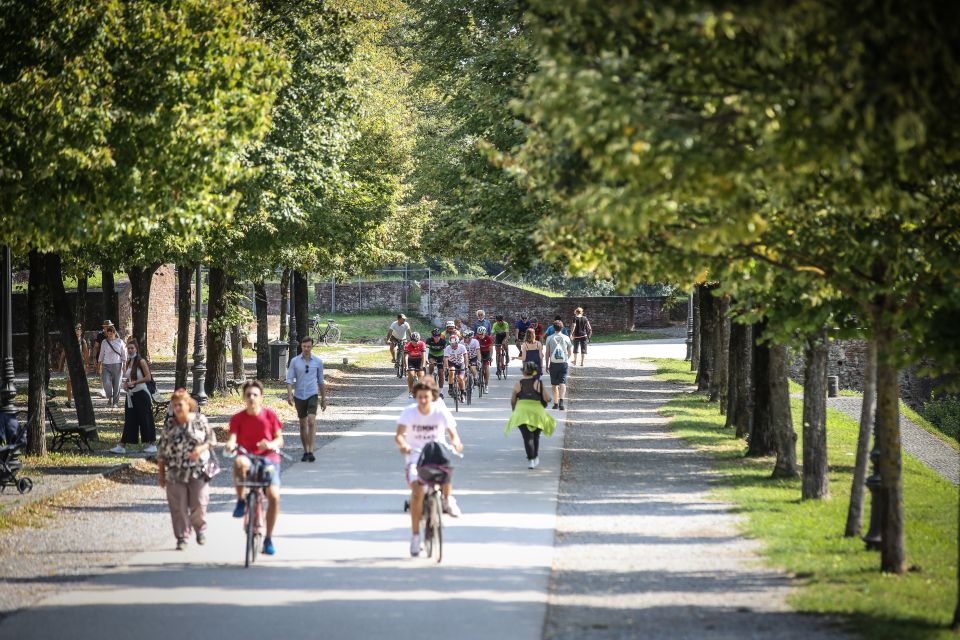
425	421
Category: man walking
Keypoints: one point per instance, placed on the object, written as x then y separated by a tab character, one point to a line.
582	332
304	383
559	349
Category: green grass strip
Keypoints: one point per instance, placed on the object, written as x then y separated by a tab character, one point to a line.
835	575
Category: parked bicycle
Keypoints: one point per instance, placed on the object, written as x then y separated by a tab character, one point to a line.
254	517
329	334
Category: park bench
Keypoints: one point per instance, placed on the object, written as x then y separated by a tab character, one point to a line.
79	435
160	404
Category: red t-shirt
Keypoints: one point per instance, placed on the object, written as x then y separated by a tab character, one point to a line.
486	344
538	330
252	429
415	349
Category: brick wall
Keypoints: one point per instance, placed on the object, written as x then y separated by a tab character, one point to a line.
444	299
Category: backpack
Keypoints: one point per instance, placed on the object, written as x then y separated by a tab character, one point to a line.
151	384
433	454
559	353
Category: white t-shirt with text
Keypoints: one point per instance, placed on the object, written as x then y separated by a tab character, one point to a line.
422	429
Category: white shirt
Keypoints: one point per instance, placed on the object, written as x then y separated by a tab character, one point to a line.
400	331
113	351
557	346
422	429
473	348
455	356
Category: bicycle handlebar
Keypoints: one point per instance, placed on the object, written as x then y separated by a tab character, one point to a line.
241	449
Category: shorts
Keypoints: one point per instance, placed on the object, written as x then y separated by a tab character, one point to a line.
475	361
580	343
499	338
306	407
437	360
456	367
558	373
414	364
487	357
274	471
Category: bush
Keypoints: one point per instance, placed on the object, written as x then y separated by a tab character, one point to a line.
944	414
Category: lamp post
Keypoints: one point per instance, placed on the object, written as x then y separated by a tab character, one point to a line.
689	340
199	369
874	536
8	390
292	321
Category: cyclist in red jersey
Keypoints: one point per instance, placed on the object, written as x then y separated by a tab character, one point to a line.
414	352
486	353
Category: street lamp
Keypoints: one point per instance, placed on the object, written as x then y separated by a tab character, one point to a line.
689	341
199	370
8	390
874	535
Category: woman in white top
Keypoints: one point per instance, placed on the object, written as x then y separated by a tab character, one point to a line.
112	358
138	425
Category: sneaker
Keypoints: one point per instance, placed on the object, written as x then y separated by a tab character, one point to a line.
530	464
555	405
561	406
239	510
201	538
536	462
150	448
118	450
415	546
312	458
451	508
181	544
268	547
304	457
409	395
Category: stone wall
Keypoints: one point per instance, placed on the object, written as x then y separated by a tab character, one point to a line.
441	300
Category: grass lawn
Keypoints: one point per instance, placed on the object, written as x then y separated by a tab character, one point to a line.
834	574
368	327
619	336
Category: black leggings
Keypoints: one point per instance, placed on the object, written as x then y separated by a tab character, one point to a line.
531	441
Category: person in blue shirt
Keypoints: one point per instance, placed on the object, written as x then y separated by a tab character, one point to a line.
552	328
304	384
482	321
521	327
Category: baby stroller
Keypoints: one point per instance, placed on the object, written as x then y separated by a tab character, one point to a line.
15	436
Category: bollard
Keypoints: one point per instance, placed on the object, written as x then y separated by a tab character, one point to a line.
346	361
833	386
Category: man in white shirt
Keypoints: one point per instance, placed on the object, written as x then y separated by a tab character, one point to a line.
304	384
420	423
558	348
398	332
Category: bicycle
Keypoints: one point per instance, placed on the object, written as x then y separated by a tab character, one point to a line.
398	360
329	335
433	477
503	359
457	392
471	383
257	480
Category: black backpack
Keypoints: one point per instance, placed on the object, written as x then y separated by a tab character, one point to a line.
151	384
433	454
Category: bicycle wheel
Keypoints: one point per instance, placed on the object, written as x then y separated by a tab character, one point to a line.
436	529
480	387
332	336
471	380
456	394
425	524
250	522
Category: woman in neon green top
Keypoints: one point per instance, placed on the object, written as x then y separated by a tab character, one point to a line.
528	401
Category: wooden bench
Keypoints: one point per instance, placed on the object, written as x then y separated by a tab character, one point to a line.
160	404
79	435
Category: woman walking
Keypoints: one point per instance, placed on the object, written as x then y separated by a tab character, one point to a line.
138	425
531	350
84	351
528	402
185	446
111	360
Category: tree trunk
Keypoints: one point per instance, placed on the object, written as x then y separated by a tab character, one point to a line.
141	280
185	275
216	380
111	305
893	557
956	612
708	334
39	357
816	483
695	348
721	358
300	303
784	435
761	441
867	412
745	389
80	308
263	338
63	317
284	301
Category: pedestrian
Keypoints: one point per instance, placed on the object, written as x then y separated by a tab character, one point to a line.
84	352
528	402
482	321
138	425
531	350
559	348
304	384
551	328
582	332
110	363
183	454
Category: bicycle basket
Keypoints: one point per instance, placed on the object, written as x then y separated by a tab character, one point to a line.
433	474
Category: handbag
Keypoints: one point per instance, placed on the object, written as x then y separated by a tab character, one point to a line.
210	469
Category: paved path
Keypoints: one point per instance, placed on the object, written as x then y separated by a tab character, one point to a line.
343	565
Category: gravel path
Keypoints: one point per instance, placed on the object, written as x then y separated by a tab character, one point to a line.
917	441
105	520
642	551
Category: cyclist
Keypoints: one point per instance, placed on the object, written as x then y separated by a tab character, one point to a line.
486	353
473	351
482	321
450	330
520	328
537	328
420	423
552	328
398	332
454	360
500	331
414	351
258	430
435	346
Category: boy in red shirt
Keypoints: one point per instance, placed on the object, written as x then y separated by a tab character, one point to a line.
258	430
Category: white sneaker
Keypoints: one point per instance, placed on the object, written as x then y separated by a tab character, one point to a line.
415	546
536	462
531	464
451	508
118	449
150	448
